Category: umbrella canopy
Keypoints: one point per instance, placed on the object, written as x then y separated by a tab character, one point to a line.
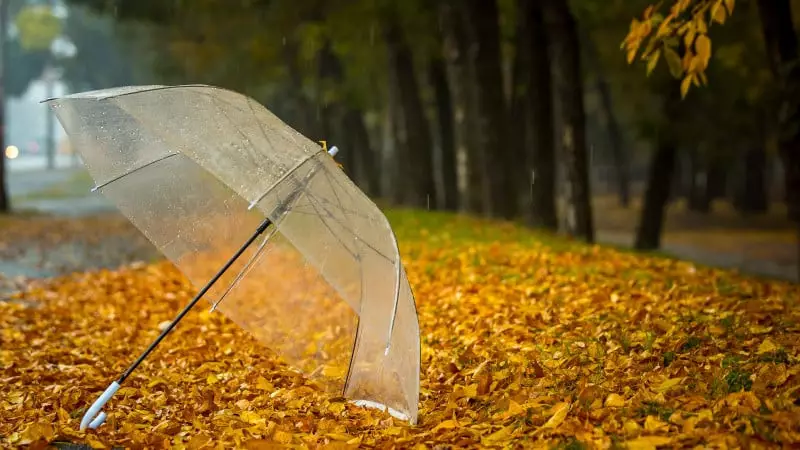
198	168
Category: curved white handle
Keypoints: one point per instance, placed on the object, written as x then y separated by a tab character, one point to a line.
89	419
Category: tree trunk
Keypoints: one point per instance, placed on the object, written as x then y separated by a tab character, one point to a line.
415	148
532	101
461	76
363	157
4	4
390	181
661	176
519	95
395	163
615	137
648	235
493	127
752	196
299	107
566	55
717	179
781	42
332	113
618	153
698	200
448	198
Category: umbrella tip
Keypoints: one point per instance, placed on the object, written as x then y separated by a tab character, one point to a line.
94	417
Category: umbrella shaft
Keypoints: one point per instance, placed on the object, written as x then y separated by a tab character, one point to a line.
261	229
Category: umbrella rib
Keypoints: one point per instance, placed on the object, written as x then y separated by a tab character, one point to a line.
135	169
344	226
335	194
260	125
246	269
351	252
335	219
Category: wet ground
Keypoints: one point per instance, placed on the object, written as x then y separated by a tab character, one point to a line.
109	241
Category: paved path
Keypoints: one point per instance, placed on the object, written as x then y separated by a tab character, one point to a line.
39	163
22	183
73	207
25	182
726	259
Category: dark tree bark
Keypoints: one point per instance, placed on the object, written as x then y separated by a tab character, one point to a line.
752	195
298	106
651	223
698	199
363	156
343	125
332	114
618	153
461	79
416	159
448	198
532	105
617	142
661	175
4	5
492	119
519	95
567	67
391	161
782	51
717	179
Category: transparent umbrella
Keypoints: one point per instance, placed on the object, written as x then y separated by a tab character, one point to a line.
267	226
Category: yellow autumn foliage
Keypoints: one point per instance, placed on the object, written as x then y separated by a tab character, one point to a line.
682	27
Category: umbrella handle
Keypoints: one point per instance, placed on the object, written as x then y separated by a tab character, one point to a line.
89	419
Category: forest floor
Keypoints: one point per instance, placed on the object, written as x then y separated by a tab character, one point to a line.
527	340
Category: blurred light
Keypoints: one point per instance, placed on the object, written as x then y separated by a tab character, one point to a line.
12	152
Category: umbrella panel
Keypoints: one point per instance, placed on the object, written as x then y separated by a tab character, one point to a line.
198	224
349	240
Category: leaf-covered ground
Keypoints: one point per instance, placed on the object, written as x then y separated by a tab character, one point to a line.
526	341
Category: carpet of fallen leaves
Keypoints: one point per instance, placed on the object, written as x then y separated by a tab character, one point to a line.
527	341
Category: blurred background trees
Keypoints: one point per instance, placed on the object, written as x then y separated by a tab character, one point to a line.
513	109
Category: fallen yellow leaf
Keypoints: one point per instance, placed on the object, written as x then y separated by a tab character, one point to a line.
767	346
501	435
647	442
559	415
446	425
669	384
653	424
615	401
